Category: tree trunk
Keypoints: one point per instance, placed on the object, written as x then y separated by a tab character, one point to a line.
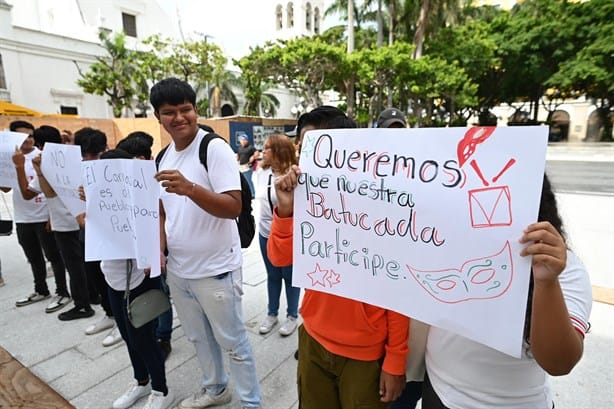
351	97
421	28
391	16
380	25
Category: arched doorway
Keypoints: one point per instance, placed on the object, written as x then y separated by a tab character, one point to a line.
559	126
227	110
593	127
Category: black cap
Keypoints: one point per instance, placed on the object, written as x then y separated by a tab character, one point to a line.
291	133
391	116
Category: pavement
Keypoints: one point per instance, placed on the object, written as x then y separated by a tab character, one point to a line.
91	376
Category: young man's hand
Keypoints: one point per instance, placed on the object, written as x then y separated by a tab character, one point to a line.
173	181
19	159
36	162
390	386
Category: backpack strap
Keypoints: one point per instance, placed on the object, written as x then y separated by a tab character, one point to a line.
204	144
160	155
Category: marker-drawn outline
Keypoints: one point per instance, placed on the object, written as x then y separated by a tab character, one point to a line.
498	269
500	214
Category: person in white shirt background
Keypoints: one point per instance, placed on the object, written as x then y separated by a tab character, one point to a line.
278	155
465	374
31	221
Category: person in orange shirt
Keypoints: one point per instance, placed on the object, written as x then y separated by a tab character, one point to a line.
351	354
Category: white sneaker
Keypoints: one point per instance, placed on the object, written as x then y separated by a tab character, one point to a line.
203	399
105	322
288	327
134	393
157	400
59	302
267	325
112	338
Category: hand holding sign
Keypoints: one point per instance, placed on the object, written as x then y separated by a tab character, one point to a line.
19	159
548	250
284	188
173	181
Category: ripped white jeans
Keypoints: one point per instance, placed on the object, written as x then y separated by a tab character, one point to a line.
211	316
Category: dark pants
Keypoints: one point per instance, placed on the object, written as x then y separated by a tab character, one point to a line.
72	253
97	286
164	327
430	400
145	355
34	239
327	380
410	396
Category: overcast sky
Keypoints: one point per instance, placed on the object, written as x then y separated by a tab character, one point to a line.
234	25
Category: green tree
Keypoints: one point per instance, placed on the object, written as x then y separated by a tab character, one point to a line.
590	70
222	88
254	84
112	74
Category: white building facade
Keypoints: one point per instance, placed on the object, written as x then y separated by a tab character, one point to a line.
43	41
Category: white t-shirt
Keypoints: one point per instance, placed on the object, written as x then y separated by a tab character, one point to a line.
33	210
263	179
115	273
61	219
199	244
469	375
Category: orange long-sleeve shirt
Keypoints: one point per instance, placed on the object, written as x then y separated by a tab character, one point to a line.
345	327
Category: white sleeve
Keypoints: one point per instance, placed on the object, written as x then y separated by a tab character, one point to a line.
577	291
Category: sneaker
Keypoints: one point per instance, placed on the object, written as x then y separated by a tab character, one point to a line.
165	347
203	399
134	393
112	338
59	302
1	282
267	325
102	324
32	298
157	400
76	313
288	326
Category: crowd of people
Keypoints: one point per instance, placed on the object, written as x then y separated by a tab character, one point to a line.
350	354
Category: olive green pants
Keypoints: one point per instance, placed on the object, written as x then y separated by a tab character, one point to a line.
329	381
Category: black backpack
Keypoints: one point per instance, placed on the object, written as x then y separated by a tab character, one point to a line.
245	222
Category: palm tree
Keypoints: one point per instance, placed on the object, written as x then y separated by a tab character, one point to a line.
222	88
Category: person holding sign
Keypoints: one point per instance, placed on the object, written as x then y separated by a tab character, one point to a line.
198	228
31	218
462	373
65	230
278	154
138	144
351	354
145	356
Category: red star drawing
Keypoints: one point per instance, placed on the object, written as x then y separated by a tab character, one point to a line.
318	276
333	278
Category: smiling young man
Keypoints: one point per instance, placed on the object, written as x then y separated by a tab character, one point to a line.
197	212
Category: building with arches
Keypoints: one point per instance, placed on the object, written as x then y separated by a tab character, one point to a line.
298	18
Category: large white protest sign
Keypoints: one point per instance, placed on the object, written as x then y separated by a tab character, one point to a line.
8	142
61	165
122	212
425	222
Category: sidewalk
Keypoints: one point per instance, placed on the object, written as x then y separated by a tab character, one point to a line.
91	376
